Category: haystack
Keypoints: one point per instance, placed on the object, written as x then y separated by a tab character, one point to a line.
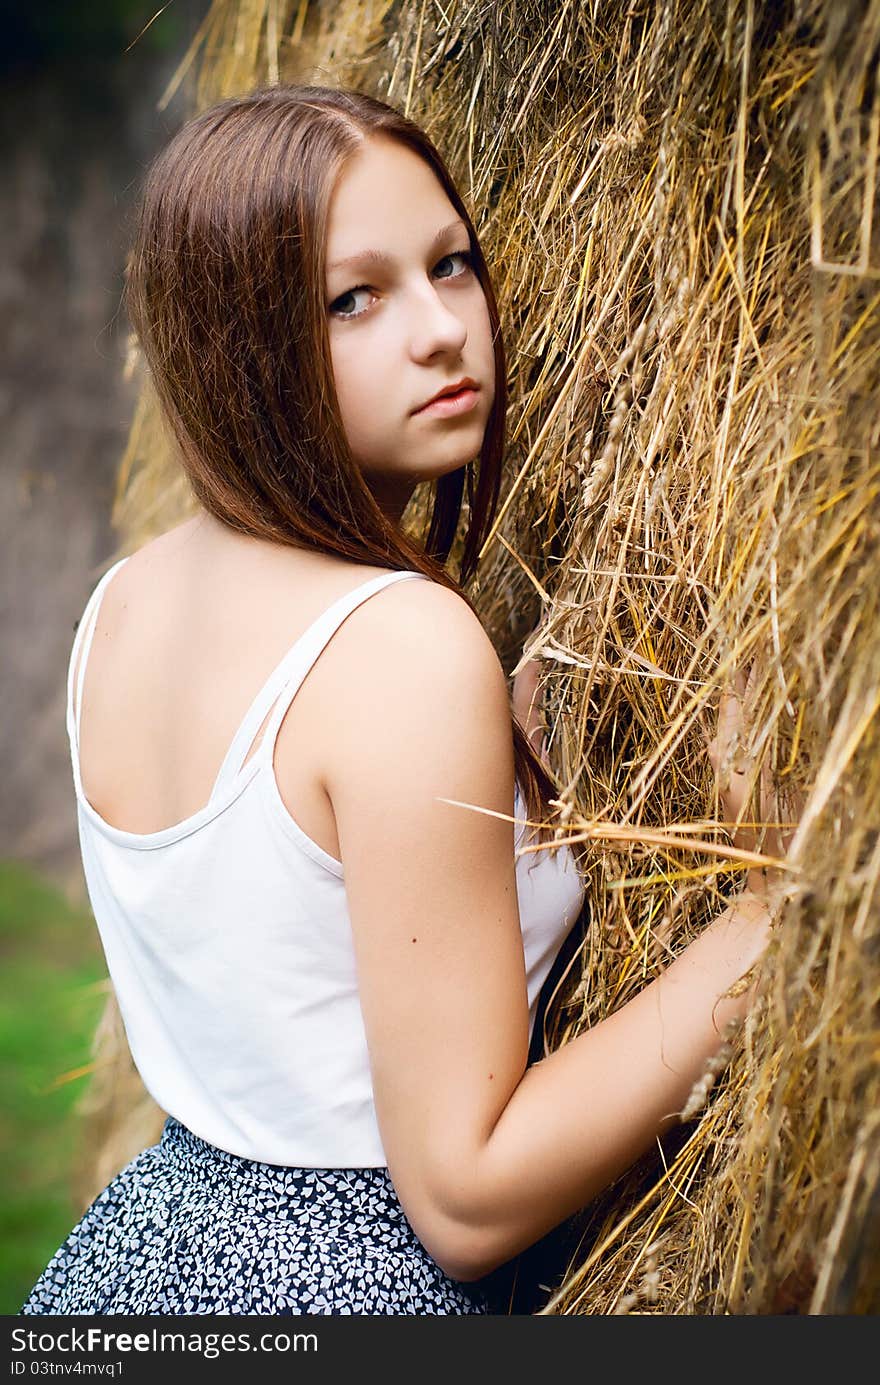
678	203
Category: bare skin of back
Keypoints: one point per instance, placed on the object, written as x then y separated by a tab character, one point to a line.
188	630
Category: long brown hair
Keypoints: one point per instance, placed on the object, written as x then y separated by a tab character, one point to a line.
225	291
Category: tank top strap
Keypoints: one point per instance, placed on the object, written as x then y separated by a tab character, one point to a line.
281	686
83	641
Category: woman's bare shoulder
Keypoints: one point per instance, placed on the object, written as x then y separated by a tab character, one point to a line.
421	667
426	624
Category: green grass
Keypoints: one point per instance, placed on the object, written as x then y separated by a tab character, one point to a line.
52	967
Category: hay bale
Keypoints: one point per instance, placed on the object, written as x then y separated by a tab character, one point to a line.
679	205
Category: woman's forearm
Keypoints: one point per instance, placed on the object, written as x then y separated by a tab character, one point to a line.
581	1116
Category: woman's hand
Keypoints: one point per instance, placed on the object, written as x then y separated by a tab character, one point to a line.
749	804
527	698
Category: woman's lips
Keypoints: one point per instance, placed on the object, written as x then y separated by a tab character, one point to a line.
448	405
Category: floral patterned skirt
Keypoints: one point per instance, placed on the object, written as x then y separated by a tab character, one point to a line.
188	1228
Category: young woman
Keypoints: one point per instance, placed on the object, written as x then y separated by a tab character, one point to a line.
328	968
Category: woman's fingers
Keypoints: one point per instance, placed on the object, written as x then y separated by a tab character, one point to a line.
526	695
738	771
749	800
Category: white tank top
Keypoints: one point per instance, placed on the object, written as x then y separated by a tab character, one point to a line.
229	945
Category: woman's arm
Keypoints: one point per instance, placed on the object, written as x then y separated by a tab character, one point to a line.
485	1155
581	1116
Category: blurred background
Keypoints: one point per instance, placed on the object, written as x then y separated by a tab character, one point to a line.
86	101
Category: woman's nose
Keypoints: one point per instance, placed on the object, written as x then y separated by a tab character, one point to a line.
435	327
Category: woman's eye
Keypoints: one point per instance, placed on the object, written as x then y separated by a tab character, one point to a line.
345	306
463	255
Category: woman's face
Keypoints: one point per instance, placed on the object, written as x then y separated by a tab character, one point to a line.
407	318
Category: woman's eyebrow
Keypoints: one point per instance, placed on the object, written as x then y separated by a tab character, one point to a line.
377	257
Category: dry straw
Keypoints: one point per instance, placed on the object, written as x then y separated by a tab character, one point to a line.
678	200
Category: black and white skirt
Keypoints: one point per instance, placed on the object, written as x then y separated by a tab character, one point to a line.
189	1228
